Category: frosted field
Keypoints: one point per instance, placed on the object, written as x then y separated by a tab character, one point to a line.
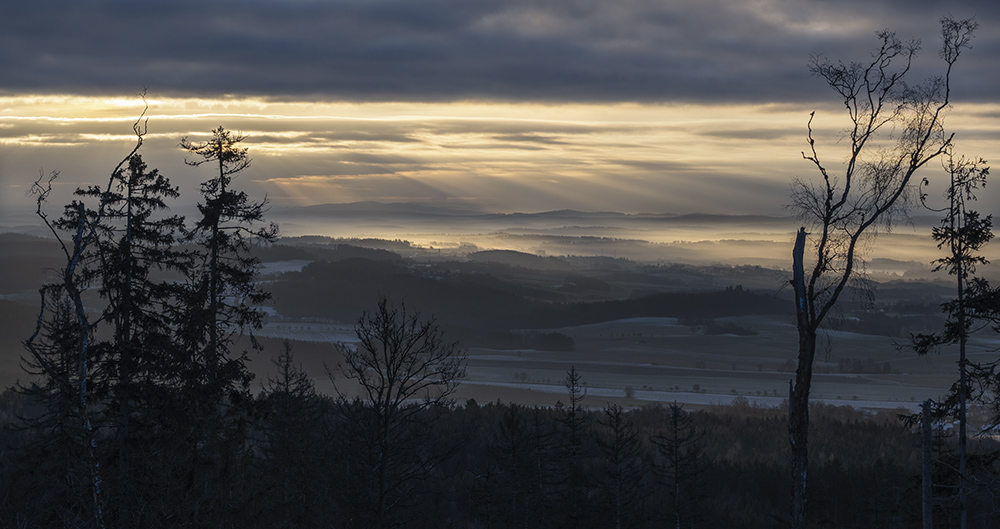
664	361
310	332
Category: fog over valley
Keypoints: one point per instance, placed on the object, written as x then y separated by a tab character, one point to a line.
612	294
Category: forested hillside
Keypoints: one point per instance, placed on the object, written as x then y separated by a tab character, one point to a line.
505	465
340	289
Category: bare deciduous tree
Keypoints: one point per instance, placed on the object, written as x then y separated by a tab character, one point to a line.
894	130
403	366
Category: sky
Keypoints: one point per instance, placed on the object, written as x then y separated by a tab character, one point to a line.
655	106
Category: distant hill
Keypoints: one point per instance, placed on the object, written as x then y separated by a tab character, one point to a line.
395	209
707	218
342	290
457	229
399	210
521	259
321	250
563	213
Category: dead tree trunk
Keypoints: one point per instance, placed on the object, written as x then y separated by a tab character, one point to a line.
798	398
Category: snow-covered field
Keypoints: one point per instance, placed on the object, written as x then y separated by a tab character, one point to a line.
310	332
645	360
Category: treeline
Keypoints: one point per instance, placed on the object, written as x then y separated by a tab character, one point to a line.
307	460
477	299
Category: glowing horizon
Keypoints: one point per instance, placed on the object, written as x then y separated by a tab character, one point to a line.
496	156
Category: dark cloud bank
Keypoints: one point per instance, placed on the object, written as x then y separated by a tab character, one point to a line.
436	50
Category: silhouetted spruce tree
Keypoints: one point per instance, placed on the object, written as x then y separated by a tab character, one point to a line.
512	488
621	446
52	484
292	426
520	483
229	227
545	470
220	302
680	446
573	433
963	233
135	242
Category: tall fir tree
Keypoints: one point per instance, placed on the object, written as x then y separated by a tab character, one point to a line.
621	446
221	302
680	446
962	234
511	487
574	426
135	247
292	428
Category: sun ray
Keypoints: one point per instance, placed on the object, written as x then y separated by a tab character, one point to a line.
505	156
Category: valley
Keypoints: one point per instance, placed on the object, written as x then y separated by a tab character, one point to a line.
638	331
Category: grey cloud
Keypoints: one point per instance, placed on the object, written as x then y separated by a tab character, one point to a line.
67	131
381	158
343	170
48	139
658	166
331	129
322	138
363	135
504	127
751	134
499	146
529	138
256	130
558	50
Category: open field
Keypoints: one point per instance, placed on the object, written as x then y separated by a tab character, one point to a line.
661	360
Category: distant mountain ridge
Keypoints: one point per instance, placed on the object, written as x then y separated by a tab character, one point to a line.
411	209
370	206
